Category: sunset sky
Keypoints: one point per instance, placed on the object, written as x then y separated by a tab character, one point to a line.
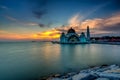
46	19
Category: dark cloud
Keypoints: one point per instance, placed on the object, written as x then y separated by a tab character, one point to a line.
42	25
45	25
39	13
112	28
61	29
38	8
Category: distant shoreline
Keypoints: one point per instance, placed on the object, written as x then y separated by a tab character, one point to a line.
100	42
112	43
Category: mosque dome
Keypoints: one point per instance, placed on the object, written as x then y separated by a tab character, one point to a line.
63	34
71	30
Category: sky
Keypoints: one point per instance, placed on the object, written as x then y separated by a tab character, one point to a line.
45	19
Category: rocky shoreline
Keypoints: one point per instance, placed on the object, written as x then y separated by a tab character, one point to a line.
104	72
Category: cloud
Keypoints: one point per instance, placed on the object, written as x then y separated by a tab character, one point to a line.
2	32
97	25
74	21
38	8
61	29
10	36
110	24
31	23
41	25
11	18
39	13
113	20
21	22
48	35
3	7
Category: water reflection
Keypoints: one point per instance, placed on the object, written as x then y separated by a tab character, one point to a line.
33	60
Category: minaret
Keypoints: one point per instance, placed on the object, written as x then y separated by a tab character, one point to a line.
88	33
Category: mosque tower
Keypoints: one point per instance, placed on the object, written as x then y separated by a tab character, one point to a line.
88	33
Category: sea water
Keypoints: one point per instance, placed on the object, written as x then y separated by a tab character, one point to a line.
33	60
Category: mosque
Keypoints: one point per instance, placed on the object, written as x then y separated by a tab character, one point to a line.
72	37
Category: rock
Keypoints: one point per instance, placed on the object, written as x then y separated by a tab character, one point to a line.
104	65
103	72
89	77
72	74
102	79
57	75
79	76
112	67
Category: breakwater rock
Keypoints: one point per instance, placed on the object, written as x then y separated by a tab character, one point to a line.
104	72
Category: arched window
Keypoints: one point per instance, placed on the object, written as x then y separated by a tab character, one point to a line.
73	38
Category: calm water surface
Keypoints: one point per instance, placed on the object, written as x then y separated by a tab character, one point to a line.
29	61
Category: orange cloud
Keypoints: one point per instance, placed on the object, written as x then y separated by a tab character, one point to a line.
2	31
97	26
4	35
48	35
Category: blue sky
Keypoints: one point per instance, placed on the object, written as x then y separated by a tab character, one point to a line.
33	16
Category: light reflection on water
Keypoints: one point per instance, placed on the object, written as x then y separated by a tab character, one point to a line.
33	60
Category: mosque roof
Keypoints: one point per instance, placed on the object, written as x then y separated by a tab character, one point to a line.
71	30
